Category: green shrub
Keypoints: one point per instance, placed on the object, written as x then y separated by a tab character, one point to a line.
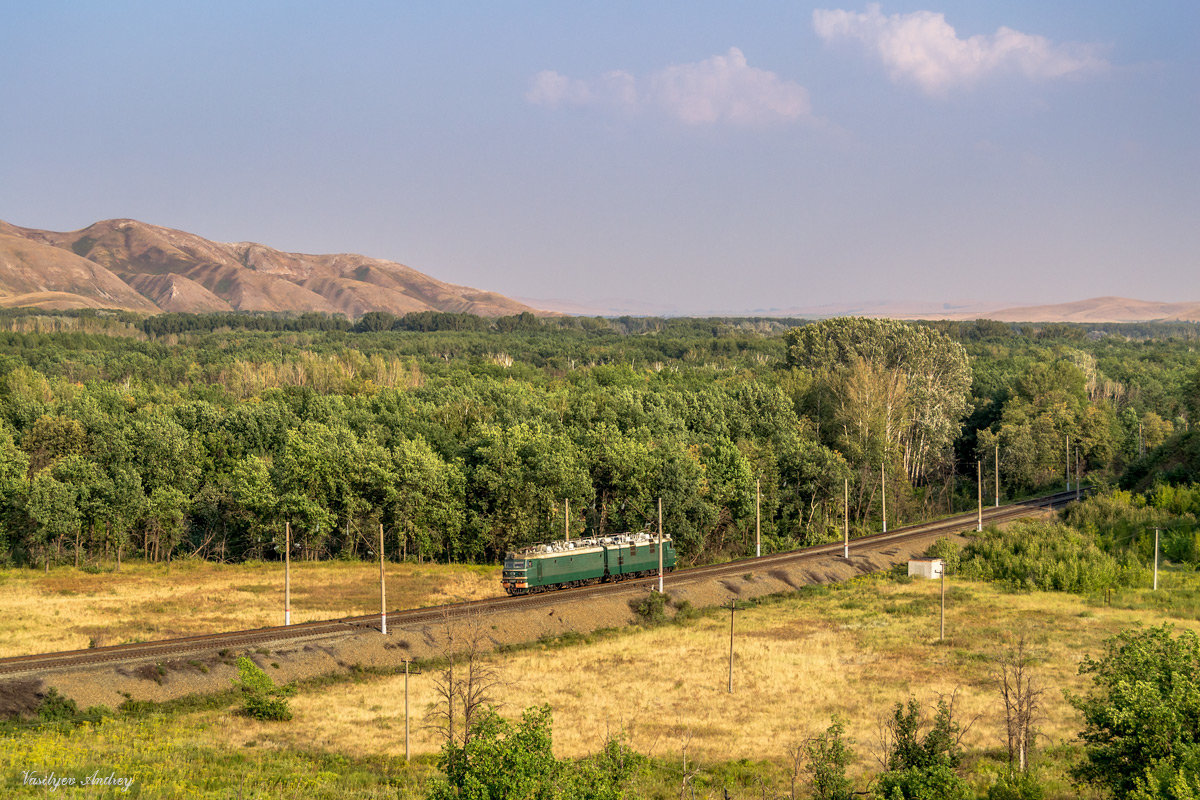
261	698
950	552
826	758
923	766
931	783
1143	711
1017	786
1051	557
652	609
57	708
684	611
503	759
1123	522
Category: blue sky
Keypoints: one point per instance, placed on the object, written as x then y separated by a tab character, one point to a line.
693	156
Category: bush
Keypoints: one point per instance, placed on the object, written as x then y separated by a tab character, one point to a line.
923	766
652	609
826	758
604	775
503	759
950	552
684	611
499	759
261	698
1016	786
931	783
57	708
1144	710
1050	557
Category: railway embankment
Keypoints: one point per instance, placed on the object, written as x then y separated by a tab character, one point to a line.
359	645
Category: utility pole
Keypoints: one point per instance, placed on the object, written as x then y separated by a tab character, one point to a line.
660	548
567	519
407	757
846	519
1156	559
1068	462
883	493
979	476
997	475
942	633
287	573
757	518
732	608
382	587
1079	475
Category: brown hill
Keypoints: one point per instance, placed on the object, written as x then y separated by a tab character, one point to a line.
33	273
177	293
1096	309
128	264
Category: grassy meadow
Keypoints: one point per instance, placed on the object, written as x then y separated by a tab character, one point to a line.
853	649
68	608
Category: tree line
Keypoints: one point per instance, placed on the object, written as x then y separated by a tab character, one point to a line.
203	434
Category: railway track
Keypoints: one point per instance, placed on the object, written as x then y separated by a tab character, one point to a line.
169	649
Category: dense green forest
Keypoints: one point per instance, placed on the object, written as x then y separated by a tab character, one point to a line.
180	435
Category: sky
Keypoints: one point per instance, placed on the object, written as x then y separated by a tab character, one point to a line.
686	157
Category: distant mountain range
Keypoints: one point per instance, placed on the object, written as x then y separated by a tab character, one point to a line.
130	265
1096	309
126	264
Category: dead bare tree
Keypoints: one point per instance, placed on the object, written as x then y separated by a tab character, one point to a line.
885	738
686	734
796	752
1022	697
479	679
960	730
467	684
445	688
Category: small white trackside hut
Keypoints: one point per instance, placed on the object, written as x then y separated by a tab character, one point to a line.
926	567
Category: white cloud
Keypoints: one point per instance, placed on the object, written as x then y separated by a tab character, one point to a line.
551	89
723	88
924	49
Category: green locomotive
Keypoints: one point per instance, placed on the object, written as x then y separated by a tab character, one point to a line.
578	562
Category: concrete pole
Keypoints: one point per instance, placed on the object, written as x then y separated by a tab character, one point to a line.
942	633
997	476
287	573
1156	559
1068	462
407	756
732	608
846	518
567	519
757	518
382	587
660	548
883	494
1079	476
979	476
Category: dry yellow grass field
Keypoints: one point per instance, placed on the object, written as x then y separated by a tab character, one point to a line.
69	608
852	651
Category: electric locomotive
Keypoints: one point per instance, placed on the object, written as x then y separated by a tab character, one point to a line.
579	562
